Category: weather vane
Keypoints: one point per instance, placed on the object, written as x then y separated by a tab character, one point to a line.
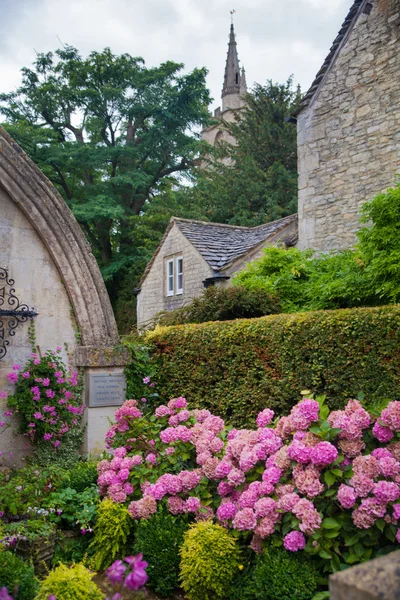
232	13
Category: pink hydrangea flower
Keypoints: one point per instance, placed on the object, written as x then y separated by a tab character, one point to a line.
265	417
245	520
346	496
323	454
226	511
294	541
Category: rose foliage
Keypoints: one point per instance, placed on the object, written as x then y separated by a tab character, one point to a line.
45	398
327	483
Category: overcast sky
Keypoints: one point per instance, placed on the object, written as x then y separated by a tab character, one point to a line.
276	38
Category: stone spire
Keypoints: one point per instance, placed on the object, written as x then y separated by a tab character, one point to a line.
243	84
232	70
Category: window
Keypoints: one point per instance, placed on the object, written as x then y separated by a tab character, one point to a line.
170	277
179	275
174	276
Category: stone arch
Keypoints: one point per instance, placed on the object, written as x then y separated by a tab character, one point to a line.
53	221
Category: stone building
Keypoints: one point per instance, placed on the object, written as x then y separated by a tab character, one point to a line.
46	266
349	126
234	90
195	254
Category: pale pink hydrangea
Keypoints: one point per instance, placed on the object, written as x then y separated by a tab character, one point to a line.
244	520
175	505
171	483
362	485
236	477
189	479
162	411
143	508
310	520
287	502
346	496
201	415
265	506
366	465
307	481
389	466
366	514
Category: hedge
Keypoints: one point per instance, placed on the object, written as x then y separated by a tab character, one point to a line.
237	368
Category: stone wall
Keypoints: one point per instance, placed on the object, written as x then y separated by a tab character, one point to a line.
349	136
152	298
37	284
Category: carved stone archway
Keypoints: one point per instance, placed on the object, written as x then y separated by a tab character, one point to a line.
57	227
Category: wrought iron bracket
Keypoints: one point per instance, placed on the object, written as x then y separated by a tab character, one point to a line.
12	312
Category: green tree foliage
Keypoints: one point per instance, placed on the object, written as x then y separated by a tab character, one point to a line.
367	275
113	136
255	181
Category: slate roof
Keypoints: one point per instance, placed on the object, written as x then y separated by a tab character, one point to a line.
341	37
220	245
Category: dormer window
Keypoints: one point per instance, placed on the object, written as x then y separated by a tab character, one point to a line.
174	276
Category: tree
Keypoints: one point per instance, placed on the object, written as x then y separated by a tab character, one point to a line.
112	135
255	181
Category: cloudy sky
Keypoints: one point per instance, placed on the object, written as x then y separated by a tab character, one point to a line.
275	38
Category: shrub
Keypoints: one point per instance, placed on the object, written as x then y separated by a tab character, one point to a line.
367	275
239	368
111	534
279	575
209	561
159	540
27	487
82	476
314	480
18	577
70	583
223	304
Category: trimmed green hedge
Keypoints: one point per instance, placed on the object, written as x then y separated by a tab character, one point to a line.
237	368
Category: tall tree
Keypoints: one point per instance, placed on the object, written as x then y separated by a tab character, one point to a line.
112	135
255	181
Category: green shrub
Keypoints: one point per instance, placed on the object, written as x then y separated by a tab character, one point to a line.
209	561
17	576
223	304
281	575
159	539
111	534
241	367
82	476
70	583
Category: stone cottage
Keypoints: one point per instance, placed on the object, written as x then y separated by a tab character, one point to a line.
348	151
194	255
349	126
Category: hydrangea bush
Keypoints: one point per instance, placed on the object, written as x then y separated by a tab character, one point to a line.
46	398
326	483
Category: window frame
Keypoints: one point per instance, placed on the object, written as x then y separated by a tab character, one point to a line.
179	290
170	277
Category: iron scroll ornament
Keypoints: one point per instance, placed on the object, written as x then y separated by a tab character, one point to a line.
12	312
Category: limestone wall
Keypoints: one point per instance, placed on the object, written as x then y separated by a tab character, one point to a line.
349	137
152	298
37	284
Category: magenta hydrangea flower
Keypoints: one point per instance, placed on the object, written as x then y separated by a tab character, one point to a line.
226	511
386	491
324	454
382	433
265	417
346	496
294	541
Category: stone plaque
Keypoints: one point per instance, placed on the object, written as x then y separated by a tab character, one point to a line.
106	390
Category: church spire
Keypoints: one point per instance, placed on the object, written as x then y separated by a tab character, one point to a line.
234	81
232	70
